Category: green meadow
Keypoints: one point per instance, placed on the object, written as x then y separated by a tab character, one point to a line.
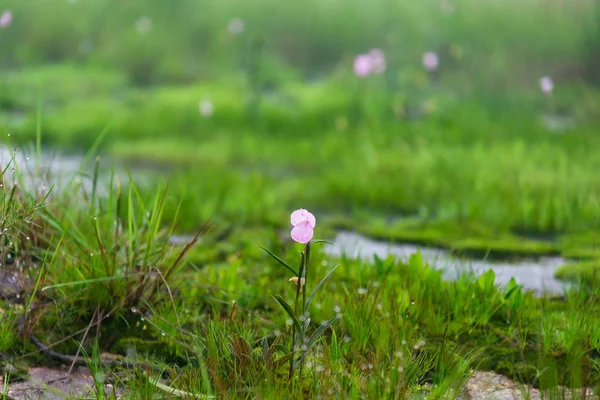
200	126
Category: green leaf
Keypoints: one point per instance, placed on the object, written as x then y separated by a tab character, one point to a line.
320	331
282	348
314	292
288	310
280	261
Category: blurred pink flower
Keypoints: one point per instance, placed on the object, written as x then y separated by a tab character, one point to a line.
372	62
546	84
377	61
431	61
6	19
362	65
303	223
235	26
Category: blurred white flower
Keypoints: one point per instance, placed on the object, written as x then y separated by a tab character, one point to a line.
143	25
206	108
235	26
447	6
546	84
6	19
431	61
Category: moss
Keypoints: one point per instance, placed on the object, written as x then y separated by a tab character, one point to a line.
585	271
161	348
463	239
503	248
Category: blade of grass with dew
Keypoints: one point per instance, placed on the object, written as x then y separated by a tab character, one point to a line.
44	269
316	289
320	331
288	310
94	186
280	261
86	158
87	281
38	135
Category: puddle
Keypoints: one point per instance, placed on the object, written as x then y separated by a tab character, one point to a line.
59	170
537	275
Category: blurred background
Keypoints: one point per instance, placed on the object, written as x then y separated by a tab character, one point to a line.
428	121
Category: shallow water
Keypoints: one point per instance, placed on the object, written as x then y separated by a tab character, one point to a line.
537	275
59	170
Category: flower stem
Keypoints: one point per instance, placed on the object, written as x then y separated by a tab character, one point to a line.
303	320
298	288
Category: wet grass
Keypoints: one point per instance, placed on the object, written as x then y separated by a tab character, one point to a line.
105	280
462	159
473	174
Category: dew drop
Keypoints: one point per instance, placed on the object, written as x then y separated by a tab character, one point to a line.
133	310
163	333
289	322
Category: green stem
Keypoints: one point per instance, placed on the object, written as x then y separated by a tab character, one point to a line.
305	277
298	286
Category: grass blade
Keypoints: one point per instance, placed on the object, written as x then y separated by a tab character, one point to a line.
316	289
288	310
280	261
320	330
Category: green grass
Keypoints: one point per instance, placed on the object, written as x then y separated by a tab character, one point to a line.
213	328
460	160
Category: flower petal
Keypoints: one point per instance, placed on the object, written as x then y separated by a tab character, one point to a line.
302	233
301	215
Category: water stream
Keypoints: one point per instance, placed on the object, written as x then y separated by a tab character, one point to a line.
533	274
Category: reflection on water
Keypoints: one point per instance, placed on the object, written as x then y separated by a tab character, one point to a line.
537	275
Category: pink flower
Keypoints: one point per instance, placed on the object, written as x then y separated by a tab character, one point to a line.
5	19
303	223
362	65
546	84
431	61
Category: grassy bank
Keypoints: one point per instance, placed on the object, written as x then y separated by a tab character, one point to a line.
100	276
